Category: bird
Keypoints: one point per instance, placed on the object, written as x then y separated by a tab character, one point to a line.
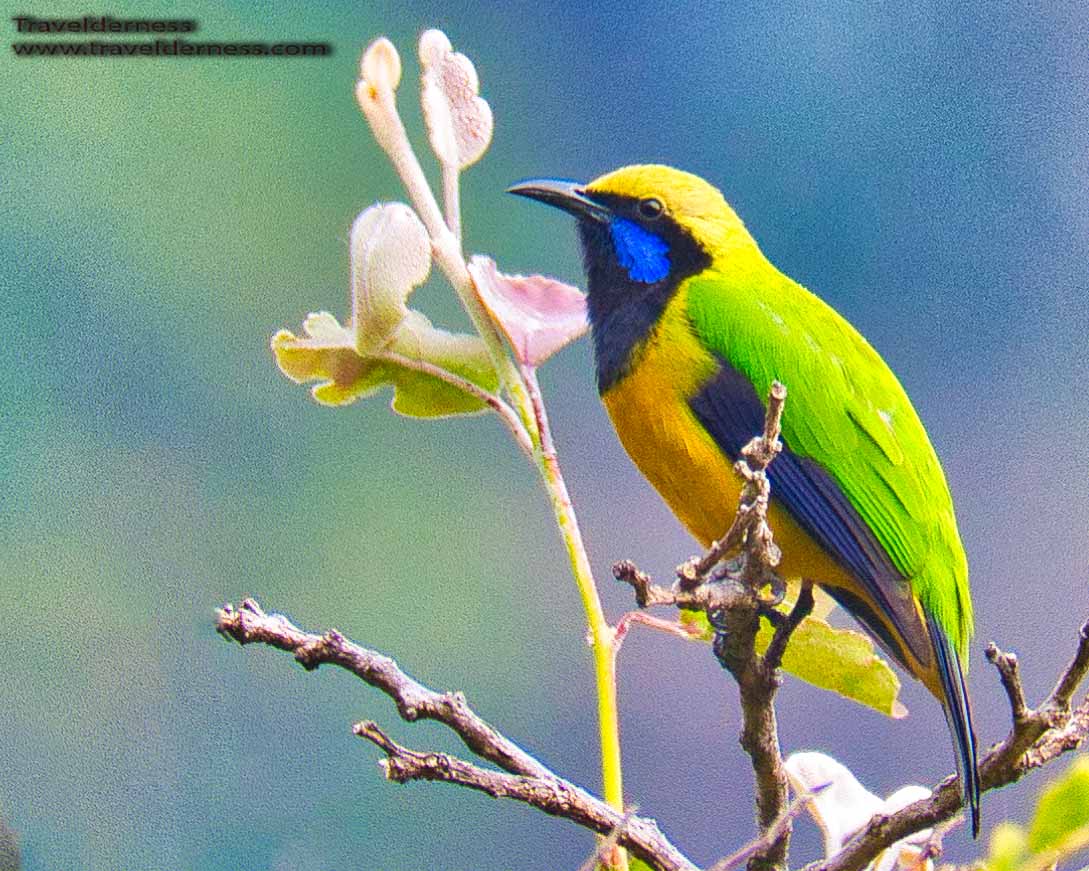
691	324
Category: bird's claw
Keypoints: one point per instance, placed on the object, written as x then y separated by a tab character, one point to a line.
776	593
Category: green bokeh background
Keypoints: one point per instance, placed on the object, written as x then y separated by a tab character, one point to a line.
926	170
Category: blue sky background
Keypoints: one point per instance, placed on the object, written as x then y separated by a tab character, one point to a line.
924	169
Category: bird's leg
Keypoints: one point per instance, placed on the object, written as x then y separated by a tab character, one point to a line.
784	628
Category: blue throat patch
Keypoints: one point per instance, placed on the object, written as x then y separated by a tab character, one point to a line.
641	253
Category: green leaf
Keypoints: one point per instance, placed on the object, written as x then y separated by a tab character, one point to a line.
1008	848
421	395
1063	809
637	864
840	660
328	355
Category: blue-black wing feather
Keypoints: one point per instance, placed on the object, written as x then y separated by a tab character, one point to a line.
730	410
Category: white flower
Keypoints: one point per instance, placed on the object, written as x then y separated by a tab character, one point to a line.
844	807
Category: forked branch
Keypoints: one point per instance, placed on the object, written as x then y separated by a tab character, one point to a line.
731	599
522	777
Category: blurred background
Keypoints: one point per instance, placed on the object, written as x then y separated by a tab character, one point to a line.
925	170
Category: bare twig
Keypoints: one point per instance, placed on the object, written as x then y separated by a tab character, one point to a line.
414	701
523	778
551	794
641	618
768	838
756	456
1010	675
1074	674
773	656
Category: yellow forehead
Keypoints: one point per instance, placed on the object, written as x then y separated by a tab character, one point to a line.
679	191
695	204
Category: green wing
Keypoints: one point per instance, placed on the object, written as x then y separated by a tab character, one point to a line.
846	416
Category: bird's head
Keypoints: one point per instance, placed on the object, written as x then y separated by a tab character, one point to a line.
644	229
645	224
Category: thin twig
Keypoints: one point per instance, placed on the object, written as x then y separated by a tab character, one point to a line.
768	838
1009	674
1074	674
248	624
675	628
773	656
551	794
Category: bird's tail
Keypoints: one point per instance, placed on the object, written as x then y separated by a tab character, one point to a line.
958	714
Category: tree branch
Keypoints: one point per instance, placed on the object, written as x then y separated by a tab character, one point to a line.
523	777
751	518
731	599
414	701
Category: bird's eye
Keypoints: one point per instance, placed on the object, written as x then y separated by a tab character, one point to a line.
651	208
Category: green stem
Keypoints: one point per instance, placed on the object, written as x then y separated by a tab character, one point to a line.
378	103
602	634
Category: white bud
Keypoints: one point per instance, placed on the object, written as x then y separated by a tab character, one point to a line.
381	65
434	44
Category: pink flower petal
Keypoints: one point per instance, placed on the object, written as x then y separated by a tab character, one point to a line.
459	121
539	315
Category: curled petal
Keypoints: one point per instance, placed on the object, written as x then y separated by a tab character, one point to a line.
538	315
391	255
459	121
